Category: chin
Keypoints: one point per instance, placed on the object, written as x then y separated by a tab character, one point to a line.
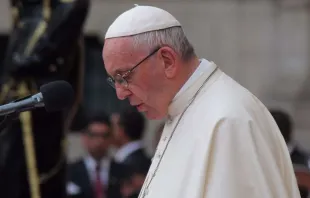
153	116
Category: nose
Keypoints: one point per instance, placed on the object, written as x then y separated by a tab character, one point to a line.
122	93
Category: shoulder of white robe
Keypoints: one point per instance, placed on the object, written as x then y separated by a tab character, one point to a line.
233	132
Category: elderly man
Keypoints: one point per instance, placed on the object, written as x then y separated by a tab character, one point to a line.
219	141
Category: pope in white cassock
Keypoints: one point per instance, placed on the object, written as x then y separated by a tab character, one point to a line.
219	141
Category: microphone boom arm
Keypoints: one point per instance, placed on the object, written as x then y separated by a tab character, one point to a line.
23	104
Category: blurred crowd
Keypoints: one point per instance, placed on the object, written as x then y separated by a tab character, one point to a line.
116	163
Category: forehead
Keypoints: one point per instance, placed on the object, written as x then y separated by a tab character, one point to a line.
118	55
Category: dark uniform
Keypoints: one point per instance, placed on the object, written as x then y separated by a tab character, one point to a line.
45	45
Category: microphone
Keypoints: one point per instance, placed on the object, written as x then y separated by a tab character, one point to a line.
54	96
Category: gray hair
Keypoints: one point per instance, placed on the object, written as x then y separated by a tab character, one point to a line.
173	37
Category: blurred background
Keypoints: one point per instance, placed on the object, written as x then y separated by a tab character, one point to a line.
263	44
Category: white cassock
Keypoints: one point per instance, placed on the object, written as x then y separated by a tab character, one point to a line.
219	142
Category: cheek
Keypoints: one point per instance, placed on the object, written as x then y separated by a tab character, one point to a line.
139	92
104	144
147	87
116	134
153	83
156	81
91	146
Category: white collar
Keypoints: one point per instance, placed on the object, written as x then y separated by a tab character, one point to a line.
91	163
126	150
203	67
198	79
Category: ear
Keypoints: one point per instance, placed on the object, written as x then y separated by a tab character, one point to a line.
169	58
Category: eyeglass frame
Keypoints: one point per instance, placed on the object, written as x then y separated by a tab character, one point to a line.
122	77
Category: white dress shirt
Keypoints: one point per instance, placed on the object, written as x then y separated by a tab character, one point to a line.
91	163
122	153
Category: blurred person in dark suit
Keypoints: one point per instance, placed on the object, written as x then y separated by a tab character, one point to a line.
45	44
130	155
300	158
131	185
88	176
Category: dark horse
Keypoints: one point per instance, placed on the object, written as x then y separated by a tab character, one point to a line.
45	45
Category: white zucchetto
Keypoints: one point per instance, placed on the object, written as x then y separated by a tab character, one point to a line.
141	19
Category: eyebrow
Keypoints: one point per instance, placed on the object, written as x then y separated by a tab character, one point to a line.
114	73
117	71
120	71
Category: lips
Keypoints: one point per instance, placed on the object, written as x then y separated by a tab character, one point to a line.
139	107
134	104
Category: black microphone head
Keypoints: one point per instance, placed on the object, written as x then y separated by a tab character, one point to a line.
57	95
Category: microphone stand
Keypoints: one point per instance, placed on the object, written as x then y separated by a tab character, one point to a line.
7	121
5	143
30	156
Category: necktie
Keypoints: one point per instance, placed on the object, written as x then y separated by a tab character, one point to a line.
99	193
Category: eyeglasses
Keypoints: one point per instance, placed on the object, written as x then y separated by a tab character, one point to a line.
121	78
